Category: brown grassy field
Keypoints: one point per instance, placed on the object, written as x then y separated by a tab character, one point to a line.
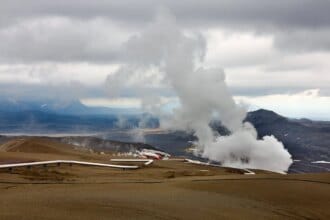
164	190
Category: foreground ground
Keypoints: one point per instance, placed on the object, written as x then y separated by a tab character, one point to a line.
165	190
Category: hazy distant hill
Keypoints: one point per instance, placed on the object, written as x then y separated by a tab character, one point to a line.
69	107
49	116
305	139
44	122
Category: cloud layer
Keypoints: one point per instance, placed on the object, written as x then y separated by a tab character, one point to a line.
266	47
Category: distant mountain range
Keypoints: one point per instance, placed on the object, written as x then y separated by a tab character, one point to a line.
305	139
48	116
67	107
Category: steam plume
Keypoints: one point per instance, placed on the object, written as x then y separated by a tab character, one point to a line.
165	55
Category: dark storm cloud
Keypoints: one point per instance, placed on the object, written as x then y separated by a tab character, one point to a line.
58	39
304	40
85	31
263	90
296	24
293	13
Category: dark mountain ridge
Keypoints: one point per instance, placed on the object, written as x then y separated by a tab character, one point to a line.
305	139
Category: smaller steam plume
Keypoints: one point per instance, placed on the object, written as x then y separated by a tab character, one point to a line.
164	56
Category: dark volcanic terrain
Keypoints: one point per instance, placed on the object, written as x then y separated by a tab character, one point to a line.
306	140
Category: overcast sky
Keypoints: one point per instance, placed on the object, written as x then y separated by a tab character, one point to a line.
276	54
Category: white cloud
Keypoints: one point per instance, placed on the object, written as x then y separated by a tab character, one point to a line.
88	74
61	39
128	102
306	104
113	103
236	49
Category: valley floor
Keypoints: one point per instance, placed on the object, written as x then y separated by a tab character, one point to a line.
263	196
164	190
